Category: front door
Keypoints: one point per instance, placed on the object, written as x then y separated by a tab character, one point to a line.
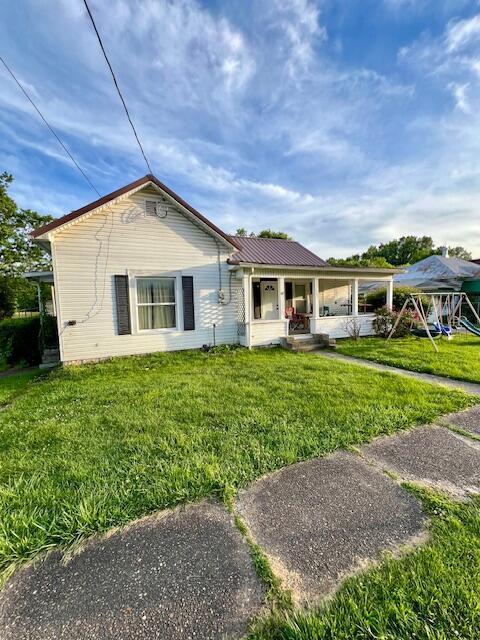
269	300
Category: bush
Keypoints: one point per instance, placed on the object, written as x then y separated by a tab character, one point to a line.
49	334
386	318
7	297
400	294
19	341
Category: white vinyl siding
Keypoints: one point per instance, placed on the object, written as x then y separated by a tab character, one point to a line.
123	240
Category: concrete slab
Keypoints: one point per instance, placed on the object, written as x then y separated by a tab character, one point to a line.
433	456
320	520
183	574
468	420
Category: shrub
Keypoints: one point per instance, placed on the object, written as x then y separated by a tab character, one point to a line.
383	322
353	328
7	297
385	319
400	294
49	334
19	340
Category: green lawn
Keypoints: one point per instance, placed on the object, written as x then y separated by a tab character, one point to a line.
14	384
430	594
95	446
456	358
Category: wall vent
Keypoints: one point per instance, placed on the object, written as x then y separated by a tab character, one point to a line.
155	208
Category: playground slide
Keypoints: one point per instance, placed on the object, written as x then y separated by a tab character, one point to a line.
469	326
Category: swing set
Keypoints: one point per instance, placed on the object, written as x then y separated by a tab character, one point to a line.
446	311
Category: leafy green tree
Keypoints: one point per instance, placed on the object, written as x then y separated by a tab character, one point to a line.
459	252
17	251
398	253
268	233
358	261
405	250
265	233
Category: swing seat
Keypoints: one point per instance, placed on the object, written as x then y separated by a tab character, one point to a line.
443	329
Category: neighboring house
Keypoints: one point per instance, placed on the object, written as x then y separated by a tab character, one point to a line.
140	271
438	273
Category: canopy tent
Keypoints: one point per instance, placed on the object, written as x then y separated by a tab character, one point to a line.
437	273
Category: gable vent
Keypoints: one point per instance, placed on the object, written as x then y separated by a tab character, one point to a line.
150	207
154	208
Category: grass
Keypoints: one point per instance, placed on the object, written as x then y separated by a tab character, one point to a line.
96	446
457	358
431	593
14	384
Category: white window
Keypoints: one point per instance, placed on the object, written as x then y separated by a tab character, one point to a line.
156	303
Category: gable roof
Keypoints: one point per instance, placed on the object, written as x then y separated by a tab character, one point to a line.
141	182
273	251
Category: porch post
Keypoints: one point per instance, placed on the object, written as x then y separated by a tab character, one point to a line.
355	297
281	302
247	294
390	293
315	298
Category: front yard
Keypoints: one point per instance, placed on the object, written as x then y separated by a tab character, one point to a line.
91	447
96	446
457	358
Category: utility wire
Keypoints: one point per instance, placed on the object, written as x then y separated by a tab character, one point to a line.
49	127
116	84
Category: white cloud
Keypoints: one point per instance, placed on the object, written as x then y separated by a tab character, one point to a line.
460	94
461	33
257	122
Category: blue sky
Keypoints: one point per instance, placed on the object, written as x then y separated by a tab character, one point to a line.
343	122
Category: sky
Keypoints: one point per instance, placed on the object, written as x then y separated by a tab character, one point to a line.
342	122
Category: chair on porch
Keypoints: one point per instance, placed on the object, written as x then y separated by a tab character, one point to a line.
296	321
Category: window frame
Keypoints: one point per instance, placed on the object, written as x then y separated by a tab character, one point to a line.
149	275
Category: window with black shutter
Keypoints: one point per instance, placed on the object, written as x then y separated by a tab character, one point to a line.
188	304
123	305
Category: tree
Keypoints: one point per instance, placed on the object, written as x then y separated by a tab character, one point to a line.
17	251
459	252
265	233
398	253
268	233
405	250
358	261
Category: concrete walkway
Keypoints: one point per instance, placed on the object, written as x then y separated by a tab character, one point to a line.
187	573
469	387
181	574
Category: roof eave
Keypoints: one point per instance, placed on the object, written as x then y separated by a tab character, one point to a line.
45	232
321	268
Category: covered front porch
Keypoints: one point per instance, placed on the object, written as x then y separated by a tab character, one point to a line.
278	305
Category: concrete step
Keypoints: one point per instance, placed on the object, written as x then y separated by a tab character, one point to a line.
308	342
50	357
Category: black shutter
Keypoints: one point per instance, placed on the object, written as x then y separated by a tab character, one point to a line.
188	310
123	305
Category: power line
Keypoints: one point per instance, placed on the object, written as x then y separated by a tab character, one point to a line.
116	85
48	126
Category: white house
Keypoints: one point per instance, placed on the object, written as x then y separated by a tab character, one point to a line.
140	271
